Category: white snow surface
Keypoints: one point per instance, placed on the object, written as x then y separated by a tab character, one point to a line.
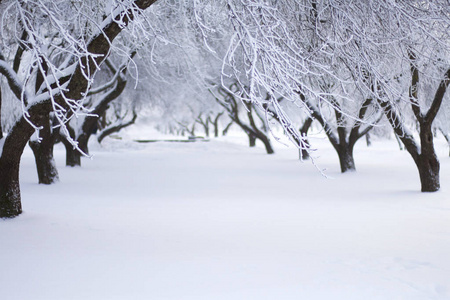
218	220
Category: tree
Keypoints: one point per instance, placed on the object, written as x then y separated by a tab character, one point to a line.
423	154
401	51
121	118
293	46
42	148
215	122
67	65
345	131
83	128
229	102
406	69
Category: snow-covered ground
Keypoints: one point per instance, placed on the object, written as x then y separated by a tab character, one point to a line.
218	220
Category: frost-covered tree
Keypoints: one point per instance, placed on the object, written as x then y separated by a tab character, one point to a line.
119	116
195	36
388	49
59	46
98	102
246	116
344	127
400	53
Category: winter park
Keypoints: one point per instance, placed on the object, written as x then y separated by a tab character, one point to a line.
235	149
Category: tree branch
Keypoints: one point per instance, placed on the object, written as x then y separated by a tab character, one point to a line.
13	81
328	130
116	128
413	89
20	49
438	97
399	129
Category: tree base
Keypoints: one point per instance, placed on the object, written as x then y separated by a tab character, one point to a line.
10	205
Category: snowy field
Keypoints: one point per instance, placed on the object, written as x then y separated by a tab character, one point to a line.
220	221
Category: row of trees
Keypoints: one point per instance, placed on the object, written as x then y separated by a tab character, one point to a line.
345	65
351	59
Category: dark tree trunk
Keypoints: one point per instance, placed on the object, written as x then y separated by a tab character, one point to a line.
424	156
304	151
303	154
225	130
1	128
258	135
216	124
83	140
10	204
45	163
216	130
267	144
73	156
399	142
204	123
428	167
102	121
368	140
262	136
251	140
346	160
14	144
43	154
427	161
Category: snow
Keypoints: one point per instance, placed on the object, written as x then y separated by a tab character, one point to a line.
218	220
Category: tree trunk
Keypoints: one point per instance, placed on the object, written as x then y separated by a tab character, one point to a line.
73	156
267	144
251	140
225	131
427	161
304	151
216	124
10	203
45	163
400	145
83	141
368	140
254	135
216	130
428	167
43	154
346	160
1	128
14	143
